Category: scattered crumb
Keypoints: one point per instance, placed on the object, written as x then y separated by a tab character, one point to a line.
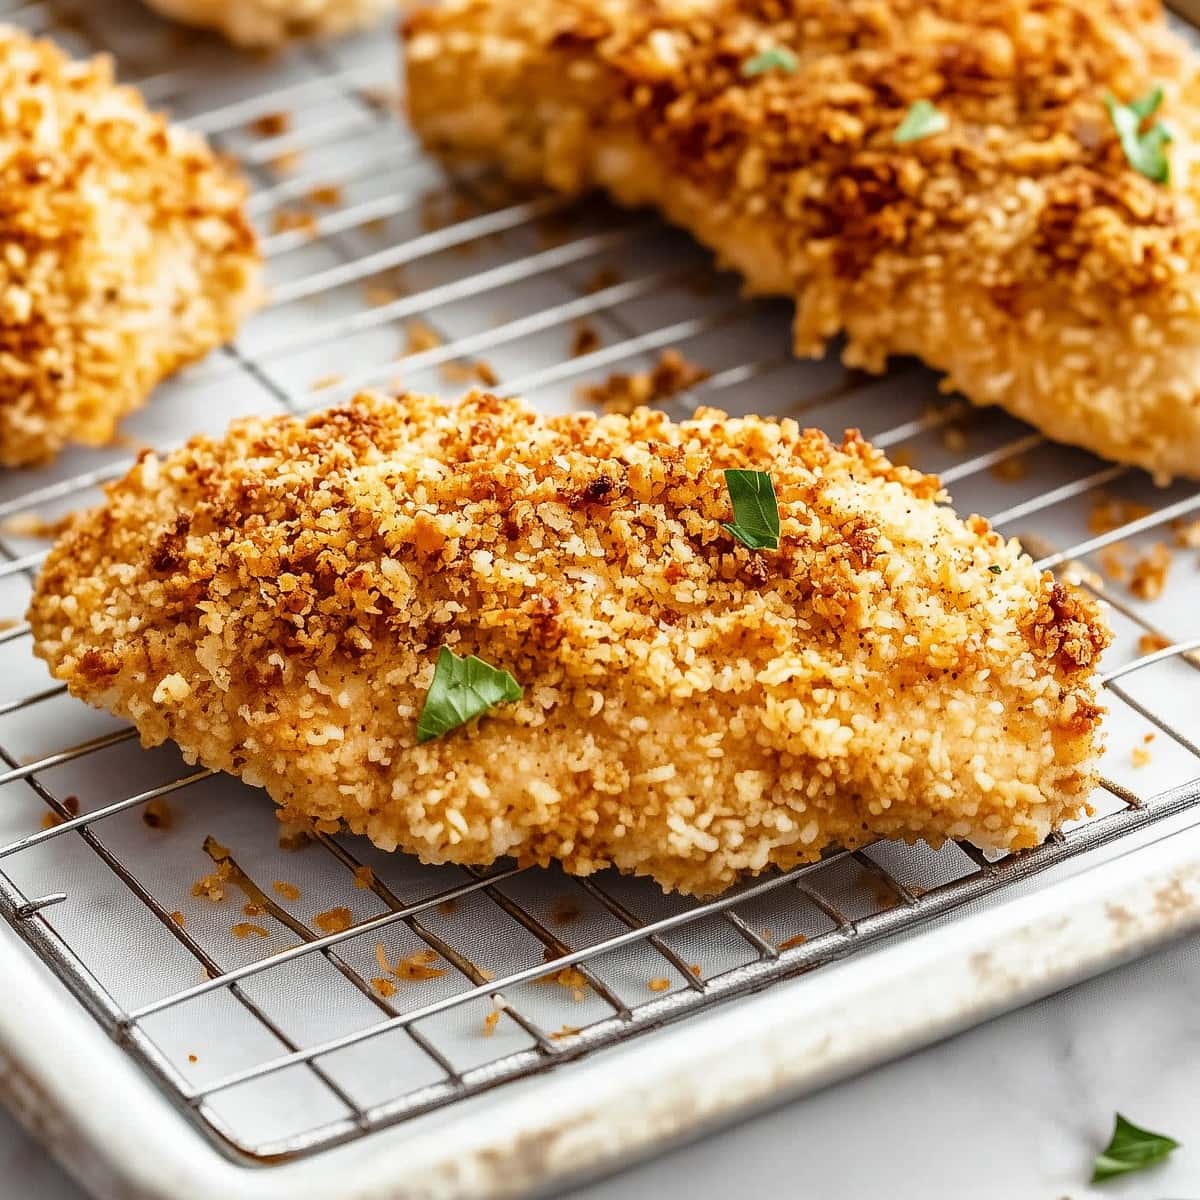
1149	576
1187	533
419	966
584	340
192	1058
243	929
460	372
327	194
658	984
212	886
325	381
570	978
1149	643
294	839
287	163
364	878
1140	756
485	373
288	220
71	804
564	911
954	438
881	891
605	277
791	943
1148	737
32	525
486	975
696	970
490	1022
565	1032
1113	564
1009	470
1080	574
621	393
448	907
158	815
378	294
252	910
384	987
335	920
272	124
418	336
289	891
177	917
1111	512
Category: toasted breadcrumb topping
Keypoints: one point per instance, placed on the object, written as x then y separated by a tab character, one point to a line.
124	249
693	710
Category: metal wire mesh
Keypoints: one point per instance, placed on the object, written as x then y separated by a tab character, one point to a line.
282	1033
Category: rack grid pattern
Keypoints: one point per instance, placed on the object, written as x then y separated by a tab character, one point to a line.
365	238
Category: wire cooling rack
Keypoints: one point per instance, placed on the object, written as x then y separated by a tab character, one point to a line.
268	1016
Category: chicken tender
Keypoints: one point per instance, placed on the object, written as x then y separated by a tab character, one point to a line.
692	710
1003	235
266	23
124	250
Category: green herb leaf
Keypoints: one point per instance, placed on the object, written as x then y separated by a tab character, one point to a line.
462	688
778	58
995	570
922	120
1145	150
755	509
1130	1149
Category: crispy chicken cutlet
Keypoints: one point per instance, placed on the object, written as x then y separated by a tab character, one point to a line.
267	23
124	250
990	185
680	706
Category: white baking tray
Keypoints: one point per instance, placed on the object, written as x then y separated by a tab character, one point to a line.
287	1075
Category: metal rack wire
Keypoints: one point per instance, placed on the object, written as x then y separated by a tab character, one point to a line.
620	961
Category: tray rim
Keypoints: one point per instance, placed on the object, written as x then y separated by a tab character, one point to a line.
569	1124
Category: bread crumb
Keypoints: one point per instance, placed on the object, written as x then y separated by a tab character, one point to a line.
294	839
459	372
791	943
289	891
364	878
1148	737
327	194
565	1032
192	1058
272	124
379	294
1140	756
418	966
287	163
1187	533
212	886
51	820
490	1022
1111	512
289	220
1010	470
384	987
1113	564
250	909
325	381
33	525
564	911
448	907
696	970
335	920
418	337
177	917
1149	643
1149	576
243	929
622	393
584	340
659	984
605	277
570	978
158	815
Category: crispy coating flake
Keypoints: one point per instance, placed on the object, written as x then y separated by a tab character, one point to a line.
267	23
694	711
124	252
1017	252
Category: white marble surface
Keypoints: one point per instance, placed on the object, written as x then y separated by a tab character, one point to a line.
1013	1110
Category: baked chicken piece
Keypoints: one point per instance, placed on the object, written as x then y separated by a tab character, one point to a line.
124	250
267	23
689	709
985	184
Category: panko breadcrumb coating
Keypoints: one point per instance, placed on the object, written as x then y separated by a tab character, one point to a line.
274	603
1018	252
124	251
266	23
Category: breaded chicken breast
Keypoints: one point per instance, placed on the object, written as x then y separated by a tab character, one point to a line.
689	709
979	183
124	250
266	23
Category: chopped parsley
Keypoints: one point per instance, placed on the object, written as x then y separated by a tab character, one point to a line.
995	570
462	688
755	509
1145	149
778	58
922	120
1130	1149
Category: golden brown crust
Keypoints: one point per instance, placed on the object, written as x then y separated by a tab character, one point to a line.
693	710
1017	251
124	251
269	23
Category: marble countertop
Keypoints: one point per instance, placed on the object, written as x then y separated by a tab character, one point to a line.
1012	1110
